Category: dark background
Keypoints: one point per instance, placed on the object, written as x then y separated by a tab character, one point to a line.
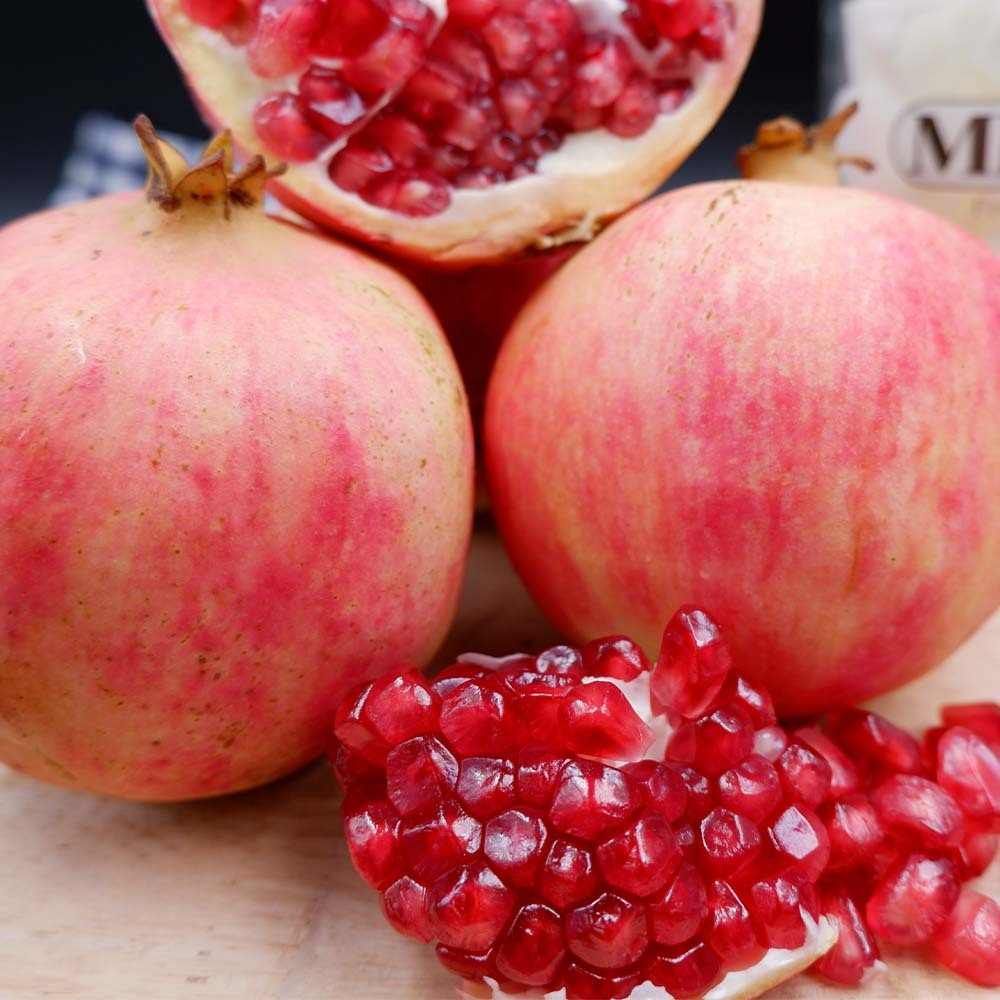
67	58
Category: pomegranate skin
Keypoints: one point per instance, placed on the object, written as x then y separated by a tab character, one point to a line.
776	402
237	476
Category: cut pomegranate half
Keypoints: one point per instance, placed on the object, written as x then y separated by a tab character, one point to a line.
458	131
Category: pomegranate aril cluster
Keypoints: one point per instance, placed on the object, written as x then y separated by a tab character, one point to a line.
402	108
586	820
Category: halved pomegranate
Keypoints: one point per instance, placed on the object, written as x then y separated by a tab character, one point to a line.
460	131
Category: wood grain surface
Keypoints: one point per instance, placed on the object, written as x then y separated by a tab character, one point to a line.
253	898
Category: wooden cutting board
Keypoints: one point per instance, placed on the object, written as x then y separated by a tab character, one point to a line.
253	898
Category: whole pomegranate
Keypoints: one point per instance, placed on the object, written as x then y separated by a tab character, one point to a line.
782	402
463	131
235	475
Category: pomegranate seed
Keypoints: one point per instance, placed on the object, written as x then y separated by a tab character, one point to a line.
699	794
731	933
419	774
372	834
678	19
524	108
414	14
568	876
349	28
485	785
872	737
635	110
662	788
805	776
844	775
387	64
724	739
688	971
466	53
855	951
693	664
777	903
514	844
474	968
511	41
683	745
330	104
970	771
355	168
211	13
433	846
913	900
710	40
588	984
855	831
983	719
677	913
800	841
770	742
755	701
472	12
752	789
968	942
435	83
592	800
470	908
500	153
532	950
616	656
537	775
284	36
641	859
403	139
729	841
641	26
475	718
977	851
448	161
282	127
401	707
608	933
919	810
415	193
555	24
596	719
406	905
552	73
469	126
600	77
687	839
352	769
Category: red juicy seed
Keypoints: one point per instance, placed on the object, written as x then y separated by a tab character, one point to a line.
728	841
387	64
455	676
684	972
470	908
354	730
434	846
592	800
514	843
855	830
683	744
330	104
448	161
731	932
419	774
554	23
977	851
282	127
415	193
929	747
711	39
538	772
352	769
635	110
589	984
349	28
406	905
284	35
552	73
770	742
855	951
415	14
641	26
609	933
485	785
693	663
678	19
470	125
982	718
464	51
568	876
724	739
800	840
805	776
776	905
602	73
752	789
500	152
699	800
404	140
616	656
355	168
523	106
372	834
475	718
545	142
511	41
401	707
563	661
211	13
472	12
877	739
687	839
913	900
662	788
433	84
968	943
641	859
474	968
597	719
970	771
755	701
677	913
844	775
532	950
919	810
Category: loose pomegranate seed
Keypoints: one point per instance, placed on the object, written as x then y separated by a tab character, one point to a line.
872	737
608	933
805	776
589	984
662	788
475	718
800	841
597	720
913	900
616	656
211	13
372	834
855	830
420	774
968	942
641	859
731	932
728	841
281	123
844	775
723	740
754	700
693	663
776	905
532	950
485	785
678	912
969	770
919	810
752	789
688	971
470	907
592	800
406	905
569	875
514	844
982	718
435	845
855	952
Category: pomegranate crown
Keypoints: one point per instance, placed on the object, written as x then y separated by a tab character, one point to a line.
173	182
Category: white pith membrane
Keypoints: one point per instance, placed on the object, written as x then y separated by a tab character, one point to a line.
591	178
777	964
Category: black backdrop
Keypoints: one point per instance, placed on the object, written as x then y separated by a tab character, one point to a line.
60	60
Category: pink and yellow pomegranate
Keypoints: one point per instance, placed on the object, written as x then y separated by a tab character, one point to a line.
236	476
780	402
